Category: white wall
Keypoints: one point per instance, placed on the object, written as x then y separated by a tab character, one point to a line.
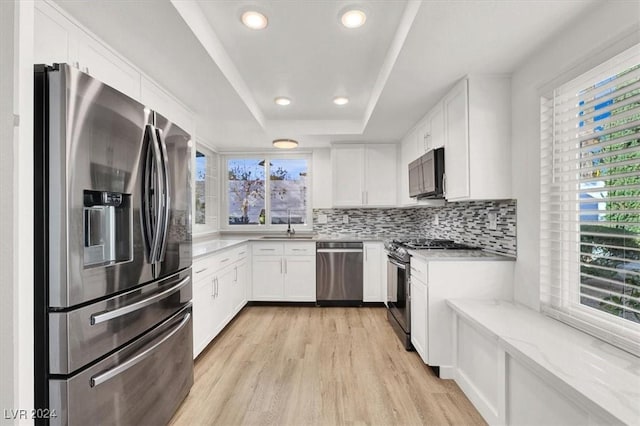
603	32
16	209
6	211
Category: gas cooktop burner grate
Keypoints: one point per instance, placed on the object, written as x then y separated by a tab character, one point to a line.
425	243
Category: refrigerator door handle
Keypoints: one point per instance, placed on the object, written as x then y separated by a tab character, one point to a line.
121	368
165	192
152	219
115	313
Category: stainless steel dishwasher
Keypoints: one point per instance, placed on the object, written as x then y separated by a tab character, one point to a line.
339	273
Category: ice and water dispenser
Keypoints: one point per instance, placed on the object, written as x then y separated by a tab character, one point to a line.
108	228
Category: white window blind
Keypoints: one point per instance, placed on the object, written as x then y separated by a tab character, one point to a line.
590	202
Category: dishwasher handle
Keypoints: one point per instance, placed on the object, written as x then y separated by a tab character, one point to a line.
339	250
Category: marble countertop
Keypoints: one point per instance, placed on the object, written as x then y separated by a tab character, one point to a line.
207	247
574	361
457	255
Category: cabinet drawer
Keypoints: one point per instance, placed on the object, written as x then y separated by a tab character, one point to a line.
201	268
267	249
238	253
419	269
300	249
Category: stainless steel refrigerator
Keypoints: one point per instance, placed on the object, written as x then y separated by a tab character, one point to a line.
113	285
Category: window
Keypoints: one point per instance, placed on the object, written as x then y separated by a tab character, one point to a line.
284	179
590	201
205	205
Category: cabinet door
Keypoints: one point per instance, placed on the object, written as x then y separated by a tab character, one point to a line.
419	318
380	175
159	100
373	273
436	127
408	153
239	286
267	281
348	175
203	290
456	122
423	134
99	62
300	278
53	40
224	298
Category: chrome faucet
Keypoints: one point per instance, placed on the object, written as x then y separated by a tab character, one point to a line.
290	230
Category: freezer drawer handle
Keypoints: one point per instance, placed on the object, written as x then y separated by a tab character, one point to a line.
109	315
339	250
110	374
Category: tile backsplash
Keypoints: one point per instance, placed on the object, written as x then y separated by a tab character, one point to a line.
465	222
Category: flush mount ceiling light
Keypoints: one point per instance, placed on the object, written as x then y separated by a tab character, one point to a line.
282	101
285	143
254	20
353	18
340	100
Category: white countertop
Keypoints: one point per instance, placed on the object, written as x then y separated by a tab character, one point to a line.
458	255
575	361
204	248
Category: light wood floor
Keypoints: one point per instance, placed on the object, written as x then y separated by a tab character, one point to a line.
317	366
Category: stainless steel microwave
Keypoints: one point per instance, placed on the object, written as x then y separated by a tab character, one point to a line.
426	175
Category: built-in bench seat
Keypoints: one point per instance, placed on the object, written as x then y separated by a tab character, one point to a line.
520	367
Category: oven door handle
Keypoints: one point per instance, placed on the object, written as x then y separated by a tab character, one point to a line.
399	265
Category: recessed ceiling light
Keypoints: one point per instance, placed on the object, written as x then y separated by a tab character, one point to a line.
285	143
340	100
282	101
353	18
254	20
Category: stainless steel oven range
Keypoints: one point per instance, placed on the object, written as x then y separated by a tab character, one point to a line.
399	280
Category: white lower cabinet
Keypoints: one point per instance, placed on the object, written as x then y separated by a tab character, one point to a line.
284	272
435	281
419	308
219	293
374	275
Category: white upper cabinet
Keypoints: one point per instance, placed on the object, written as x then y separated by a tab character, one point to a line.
477	129
97	61
364	175
430	131
348	175
408	153
456	153
159	100
54	41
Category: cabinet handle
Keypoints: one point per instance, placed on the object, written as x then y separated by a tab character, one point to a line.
224	260
298	249
213	287
266	249
444	184
76	65
366	197
236	277
281	262
201	270
366	254
285	266
241	253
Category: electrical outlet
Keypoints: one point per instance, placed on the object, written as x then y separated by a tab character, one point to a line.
493	219
436	219
322	218
345	218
